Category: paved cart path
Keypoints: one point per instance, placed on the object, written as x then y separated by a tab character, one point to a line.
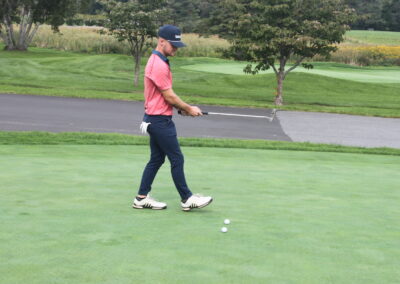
59	114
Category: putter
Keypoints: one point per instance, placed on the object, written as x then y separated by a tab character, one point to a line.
269	118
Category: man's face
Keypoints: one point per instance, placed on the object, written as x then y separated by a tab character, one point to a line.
168	48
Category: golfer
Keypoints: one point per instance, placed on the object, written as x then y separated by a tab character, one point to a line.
160	99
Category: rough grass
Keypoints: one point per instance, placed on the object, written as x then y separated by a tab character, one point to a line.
82	138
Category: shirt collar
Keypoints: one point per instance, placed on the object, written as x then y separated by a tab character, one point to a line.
162	56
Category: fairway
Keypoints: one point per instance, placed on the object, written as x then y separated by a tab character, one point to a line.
296	217
334	70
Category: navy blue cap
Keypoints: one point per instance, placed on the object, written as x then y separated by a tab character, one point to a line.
172	34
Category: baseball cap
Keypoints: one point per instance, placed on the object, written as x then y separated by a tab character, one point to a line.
172	34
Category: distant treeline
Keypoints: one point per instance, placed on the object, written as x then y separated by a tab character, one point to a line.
381	15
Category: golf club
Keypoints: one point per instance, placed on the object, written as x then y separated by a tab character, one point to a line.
269	118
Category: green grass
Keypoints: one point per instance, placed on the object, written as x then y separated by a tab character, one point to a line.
56	73
296	217
334	70
82	138
372	37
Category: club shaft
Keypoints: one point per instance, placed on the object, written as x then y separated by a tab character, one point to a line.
238	115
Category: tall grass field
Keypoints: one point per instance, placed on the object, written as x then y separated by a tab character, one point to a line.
90	40
362	48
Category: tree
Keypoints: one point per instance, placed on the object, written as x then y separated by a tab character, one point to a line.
268	33
184	13
91	7
369	14
135	21
391	15
30	14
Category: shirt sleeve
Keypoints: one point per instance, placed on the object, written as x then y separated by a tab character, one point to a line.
160	77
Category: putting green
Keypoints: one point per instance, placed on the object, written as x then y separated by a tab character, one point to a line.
340	71
296	217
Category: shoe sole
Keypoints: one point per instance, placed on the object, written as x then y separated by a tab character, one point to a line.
152	208
202	206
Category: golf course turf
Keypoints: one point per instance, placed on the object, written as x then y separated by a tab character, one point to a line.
296	217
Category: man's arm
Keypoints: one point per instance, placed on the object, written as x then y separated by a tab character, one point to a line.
174	100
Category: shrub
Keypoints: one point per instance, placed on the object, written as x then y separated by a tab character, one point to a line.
366	55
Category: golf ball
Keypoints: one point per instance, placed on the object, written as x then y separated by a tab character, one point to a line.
227	221
224	229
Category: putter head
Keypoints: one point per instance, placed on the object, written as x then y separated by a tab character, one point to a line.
273	114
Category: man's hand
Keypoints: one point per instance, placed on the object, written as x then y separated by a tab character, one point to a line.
185	108
194	111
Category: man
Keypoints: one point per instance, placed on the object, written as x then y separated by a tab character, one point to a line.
157	122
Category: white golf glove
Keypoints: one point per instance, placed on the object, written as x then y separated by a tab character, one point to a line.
143	127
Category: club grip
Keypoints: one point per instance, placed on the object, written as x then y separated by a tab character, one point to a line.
203	112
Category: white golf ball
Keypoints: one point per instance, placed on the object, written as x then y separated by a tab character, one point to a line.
224	229
227	221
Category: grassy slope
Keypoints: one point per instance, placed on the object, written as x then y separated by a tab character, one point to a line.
372	37
313	217
50	72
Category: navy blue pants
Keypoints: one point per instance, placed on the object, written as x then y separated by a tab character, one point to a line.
164	142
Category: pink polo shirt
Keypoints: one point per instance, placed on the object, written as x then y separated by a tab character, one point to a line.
157	78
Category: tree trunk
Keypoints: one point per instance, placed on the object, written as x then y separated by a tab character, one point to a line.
25	35
30	36
22	26
281	75
137	53
9	34
279	89
2	35
137	68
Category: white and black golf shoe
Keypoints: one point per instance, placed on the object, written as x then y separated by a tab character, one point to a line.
196	201
148	203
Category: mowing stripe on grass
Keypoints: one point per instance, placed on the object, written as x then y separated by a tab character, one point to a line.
340	71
